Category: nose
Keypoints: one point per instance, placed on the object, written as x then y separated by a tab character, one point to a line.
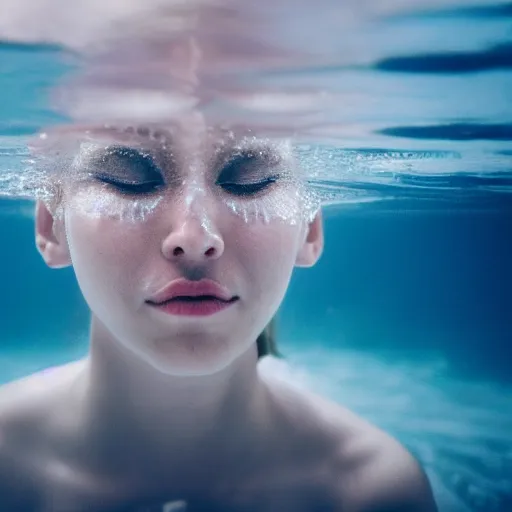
193	240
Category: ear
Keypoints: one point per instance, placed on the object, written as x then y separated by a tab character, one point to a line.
51	238
313	245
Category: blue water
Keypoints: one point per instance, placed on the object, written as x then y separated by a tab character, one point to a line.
407	319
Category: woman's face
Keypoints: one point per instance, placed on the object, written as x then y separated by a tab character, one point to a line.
143	208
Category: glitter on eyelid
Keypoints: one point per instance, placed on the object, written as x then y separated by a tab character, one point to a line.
287	202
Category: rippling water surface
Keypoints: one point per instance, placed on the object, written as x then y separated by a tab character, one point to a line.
400	100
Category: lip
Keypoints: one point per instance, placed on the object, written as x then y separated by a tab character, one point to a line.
193	298
185	288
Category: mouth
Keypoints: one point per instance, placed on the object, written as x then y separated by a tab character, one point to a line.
185	297
196	298
194	306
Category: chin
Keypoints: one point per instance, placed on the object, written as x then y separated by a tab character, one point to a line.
189	358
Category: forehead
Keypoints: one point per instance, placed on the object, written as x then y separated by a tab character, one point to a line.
185	136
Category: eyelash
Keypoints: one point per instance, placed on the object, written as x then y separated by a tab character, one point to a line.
248	189
245	189
148	187
237	189
131	188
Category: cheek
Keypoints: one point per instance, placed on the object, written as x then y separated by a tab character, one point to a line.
269	254
97	201
105	256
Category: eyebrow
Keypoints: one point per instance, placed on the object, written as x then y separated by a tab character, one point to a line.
250	149
155	141
133	134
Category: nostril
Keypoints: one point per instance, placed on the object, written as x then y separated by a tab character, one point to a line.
178	251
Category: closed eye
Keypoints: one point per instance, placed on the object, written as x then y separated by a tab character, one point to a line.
248	172
126	169
131	188
248	189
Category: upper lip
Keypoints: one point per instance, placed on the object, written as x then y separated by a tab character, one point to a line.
185	288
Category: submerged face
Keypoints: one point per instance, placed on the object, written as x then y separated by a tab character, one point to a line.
143	208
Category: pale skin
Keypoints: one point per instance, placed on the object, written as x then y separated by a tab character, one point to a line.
166	409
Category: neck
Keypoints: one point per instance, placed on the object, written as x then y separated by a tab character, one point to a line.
183	421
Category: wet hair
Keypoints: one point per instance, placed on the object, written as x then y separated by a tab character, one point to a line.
266	341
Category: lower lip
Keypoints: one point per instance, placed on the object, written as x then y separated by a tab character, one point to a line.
206	307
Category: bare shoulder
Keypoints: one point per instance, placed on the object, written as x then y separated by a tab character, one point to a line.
25	404
378	474
372	471
364	469
27	399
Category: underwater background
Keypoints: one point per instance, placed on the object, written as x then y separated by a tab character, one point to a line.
407	318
